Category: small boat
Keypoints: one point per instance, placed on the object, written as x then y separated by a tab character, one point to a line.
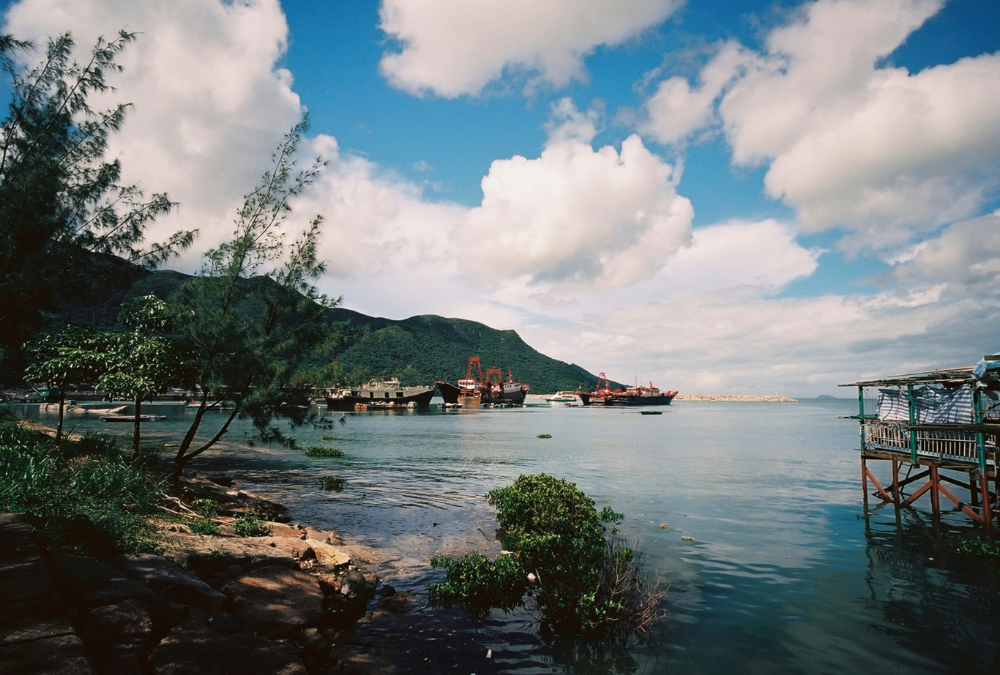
131	418
650	412
565	399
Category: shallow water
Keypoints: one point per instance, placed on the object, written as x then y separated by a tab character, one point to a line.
785	573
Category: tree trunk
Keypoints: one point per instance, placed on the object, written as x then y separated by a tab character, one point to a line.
135	430
62	406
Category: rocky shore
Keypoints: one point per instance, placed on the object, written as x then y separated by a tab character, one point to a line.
281	603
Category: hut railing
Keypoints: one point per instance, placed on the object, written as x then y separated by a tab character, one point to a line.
943	444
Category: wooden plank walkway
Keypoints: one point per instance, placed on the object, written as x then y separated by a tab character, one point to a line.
35	634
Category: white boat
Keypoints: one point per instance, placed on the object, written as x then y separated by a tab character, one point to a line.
565	399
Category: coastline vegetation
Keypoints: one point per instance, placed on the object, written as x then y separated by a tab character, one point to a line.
87	496
559	561
333	483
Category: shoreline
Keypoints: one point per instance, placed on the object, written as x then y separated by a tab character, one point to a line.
287	601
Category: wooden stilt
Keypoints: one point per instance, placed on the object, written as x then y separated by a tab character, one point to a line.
895	482
935	490
864	481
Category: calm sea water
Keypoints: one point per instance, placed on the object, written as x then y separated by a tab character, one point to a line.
785	573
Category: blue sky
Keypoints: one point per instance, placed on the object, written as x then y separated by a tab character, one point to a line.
721	197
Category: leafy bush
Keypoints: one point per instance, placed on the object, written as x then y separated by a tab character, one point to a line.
89	499
205	528
479	582
545	435
251	525
582	580
329	437
323	451
334	483
205	507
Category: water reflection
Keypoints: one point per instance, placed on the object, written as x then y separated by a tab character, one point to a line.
785	573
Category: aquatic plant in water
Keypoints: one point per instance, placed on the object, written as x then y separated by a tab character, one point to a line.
581	579
328	437
323	451
333	483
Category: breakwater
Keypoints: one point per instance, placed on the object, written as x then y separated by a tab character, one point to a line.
736	398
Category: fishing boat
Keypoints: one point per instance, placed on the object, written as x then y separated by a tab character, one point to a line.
628	396
491	390
381	394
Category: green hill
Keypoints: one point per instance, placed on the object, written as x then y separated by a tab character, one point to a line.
419	350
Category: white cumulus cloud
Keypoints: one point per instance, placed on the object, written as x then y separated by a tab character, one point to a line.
882	152
457	47
575	215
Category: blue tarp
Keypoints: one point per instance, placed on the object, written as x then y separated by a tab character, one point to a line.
934	405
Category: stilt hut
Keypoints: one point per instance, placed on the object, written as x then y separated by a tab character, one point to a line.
939	432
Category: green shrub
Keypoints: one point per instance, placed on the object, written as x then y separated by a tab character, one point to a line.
582	580
323	451
334	483
205	528
89	498
545	435
328	437
251	525
205	507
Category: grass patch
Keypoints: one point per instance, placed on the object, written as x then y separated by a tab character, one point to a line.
87	497
545	435
333	483
205	528
251	525
328	437
323	451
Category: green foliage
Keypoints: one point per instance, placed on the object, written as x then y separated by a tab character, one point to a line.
90	500
206	528
545	435
205	507
63	208
585	581
425	348
323	451
329	437
333	483
481	583
252	313
251	525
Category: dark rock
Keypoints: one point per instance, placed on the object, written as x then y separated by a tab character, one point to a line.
330	583
387	591
399	603
192	649
115	636
275	599
226	623
355	586
166	612
171	582
92	583
371	583
198	616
